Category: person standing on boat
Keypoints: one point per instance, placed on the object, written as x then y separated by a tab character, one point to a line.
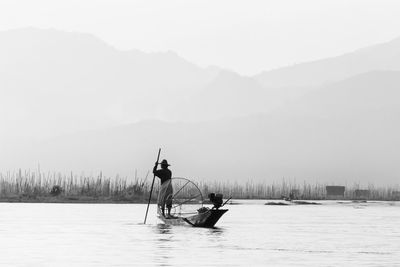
165	194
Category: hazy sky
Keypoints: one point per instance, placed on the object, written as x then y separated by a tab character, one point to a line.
245	36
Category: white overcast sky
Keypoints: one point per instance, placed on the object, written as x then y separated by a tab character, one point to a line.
243	35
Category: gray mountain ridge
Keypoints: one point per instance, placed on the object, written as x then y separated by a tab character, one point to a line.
54	70
342	140
86	83
384	56
232	126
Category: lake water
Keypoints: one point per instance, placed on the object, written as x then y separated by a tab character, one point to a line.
249	234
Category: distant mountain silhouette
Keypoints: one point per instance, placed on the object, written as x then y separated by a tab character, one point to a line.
384	56
228	95
54	80
367	93
334	119
344	132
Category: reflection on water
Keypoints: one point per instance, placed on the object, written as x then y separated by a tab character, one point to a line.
163	228
164	237
251	234
216	231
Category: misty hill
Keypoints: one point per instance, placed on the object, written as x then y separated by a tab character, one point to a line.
228	95
374	91
384	56
347	131
53	80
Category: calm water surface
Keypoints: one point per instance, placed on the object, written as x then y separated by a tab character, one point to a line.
250	234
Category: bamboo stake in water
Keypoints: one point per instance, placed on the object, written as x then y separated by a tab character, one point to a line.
151	189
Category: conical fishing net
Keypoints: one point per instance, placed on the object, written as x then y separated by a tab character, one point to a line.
186	197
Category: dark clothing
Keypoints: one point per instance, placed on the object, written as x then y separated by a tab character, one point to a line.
165	193
163	174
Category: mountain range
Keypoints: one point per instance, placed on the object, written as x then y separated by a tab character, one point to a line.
92	107
385	56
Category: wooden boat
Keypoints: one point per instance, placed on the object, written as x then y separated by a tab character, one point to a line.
206	219
188	206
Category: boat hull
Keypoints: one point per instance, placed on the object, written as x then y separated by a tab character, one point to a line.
206	219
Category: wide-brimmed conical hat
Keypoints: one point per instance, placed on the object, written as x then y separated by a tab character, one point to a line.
164	162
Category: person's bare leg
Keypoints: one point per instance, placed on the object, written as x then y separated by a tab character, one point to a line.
163	210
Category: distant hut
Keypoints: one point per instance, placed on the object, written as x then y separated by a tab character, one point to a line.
361	194
335	192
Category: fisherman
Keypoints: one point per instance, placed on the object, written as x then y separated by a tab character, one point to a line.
165	194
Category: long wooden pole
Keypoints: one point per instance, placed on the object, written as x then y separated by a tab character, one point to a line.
151	189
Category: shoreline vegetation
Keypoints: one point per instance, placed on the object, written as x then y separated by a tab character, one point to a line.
33	187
